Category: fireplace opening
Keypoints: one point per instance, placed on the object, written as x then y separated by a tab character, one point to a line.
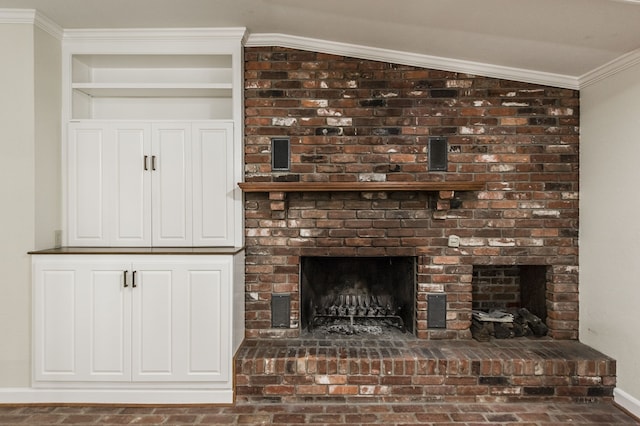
357	295
511	296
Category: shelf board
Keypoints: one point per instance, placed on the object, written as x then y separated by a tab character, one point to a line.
358	186
183	90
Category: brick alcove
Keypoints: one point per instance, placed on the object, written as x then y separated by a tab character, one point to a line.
509	287
354	121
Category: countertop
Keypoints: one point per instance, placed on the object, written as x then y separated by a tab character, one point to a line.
140	250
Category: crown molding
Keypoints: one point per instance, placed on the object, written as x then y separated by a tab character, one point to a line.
611	68
48	26
413	59
155	34
154	40
17	16
31	17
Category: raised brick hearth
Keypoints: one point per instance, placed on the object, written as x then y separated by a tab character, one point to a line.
402	370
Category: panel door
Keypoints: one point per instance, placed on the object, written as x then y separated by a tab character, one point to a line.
181	325
153	331
87	180
109	197
204	323
213	184
171	185
107	337
131	186
82	321
55	305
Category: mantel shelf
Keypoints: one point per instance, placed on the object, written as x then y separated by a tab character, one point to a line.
358	186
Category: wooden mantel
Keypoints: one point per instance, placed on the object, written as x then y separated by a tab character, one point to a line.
358	186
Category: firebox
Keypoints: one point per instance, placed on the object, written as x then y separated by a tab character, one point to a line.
355	295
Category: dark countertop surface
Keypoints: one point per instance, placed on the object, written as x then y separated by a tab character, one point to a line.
140	250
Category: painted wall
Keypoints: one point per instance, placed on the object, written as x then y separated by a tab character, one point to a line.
609	223
48	187
18	202
29	181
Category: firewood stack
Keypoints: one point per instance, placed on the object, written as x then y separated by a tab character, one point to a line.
504	325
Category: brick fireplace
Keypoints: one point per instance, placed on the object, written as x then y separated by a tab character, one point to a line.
494	225
356	122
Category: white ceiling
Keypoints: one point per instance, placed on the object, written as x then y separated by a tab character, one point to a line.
561	37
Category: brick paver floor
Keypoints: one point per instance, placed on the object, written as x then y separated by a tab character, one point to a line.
440	414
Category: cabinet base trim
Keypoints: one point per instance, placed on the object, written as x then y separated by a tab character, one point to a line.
114	396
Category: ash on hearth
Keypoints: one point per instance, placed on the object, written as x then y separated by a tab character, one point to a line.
355	327
505	325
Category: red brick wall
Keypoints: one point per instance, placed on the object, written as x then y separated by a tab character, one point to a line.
353	120
496	287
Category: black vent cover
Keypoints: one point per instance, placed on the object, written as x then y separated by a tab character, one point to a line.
437	310
438	151
280	154
280	310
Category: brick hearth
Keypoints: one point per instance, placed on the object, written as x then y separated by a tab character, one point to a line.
404	370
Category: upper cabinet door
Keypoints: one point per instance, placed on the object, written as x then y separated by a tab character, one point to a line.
171	184
142	184
131	187
87	182
213	184
109	189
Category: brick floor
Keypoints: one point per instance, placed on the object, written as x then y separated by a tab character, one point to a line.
440	414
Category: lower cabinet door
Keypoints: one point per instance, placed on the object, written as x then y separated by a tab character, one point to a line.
82	316
180	327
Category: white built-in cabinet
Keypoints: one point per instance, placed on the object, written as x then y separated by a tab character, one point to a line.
141	321
152	151
150	184
153	129
132	319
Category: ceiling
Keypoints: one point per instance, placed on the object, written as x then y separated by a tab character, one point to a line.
561	37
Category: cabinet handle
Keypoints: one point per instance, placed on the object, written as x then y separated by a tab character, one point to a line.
133	282
153	162
125	278
146	162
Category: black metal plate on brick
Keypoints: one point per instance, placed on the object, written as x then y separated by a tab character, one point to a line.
437	310
280	310
280	154
438	154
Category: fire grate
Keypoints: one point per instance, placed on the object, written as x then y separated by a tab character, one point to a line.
355	308
358	295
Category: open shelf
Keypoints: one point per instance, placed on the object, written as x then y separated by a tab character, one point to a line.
154	90
151	86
